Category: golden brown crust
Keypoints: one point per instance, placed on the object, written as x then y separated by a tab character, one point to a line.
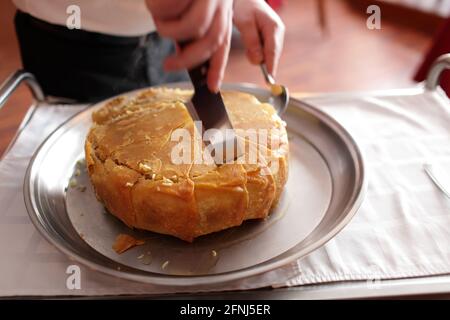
128	154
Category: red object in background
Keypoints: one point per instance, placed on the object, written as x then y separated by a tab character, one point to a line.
441	45
275	4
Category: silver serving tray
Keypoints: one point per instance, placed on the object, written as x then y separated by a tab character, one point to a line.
326	186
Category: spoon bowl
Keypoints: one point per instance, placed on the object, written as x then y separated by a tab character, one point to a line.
279	94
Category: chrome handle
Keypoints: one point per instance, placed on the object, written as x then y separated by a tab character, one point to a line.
10	84
441	64
429	171
431	83
267	76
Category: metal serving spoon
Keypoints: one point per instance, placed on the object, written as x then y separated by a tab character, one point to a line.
279	97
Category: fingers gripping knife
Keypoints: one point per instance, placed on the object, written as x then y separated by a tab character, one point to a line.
211	118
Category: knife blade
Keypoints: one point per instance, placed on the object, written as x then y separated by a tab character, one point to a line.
208	109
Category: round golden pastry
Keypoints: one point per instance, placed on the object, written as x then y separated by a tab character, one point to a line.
128	155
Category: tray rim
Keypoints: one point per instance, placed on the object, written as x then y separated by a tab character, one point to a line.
213	279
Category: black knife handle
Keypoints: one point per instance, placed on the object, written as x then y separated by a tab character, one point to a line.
198	74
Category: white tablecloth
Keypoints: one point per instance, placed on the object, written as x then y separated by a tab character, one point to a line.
402	229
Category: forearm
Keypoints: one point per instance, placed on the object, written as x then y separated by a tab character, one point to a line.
167	9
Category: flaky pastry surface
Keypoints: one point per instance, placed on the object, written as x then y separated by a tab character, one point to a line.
128	155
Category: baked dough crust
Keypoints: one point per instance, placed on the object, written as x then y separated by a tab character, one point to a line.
128	152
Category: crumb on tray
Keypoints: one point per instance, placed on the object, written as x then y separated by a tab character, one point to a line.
124	242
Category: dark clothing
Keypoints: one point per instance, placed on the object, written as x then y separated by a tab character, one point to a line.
89	66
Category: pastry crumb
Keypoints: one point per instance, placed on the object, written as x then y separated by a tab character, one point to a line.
164	265
125	242
81	162
145	168
73	183
167	182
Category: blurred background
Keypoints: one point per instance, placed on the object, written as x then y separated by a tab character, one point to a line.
327	48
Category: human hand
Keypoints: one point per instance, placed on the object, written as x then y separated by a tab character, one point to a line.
262	32
206	27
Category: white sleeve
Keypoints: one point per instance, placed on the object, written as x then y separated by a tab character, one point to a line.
114	17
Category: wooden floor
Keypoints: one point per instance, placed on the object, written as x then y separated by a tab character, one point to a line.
348	57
